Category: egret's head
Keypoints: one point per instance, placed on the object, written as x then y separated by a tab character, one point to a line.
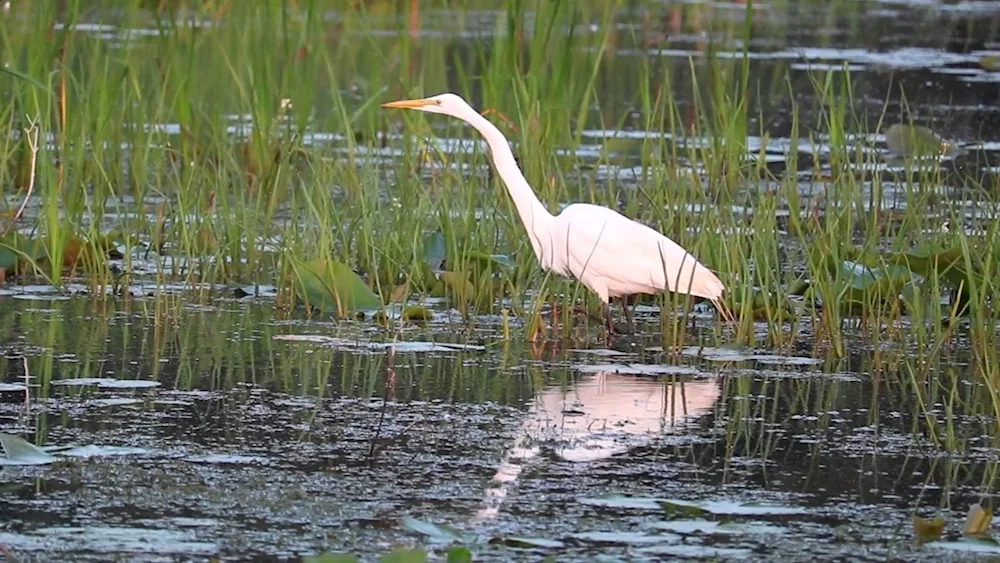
448	104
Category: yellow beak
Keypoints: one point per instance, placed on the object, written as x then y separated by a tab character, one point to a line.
410	104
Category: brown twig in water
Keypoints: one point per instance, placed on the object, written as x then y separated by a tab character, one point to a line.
32	138
391	379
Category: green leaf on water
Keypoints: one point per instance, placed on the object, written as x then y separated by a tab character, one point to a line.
333	287
437	533
417	314
405	555
457	284
332	558
927	530
986	546
18	451
528	543
867	286
938	263
459	554
990	62
725	507
485	260
916	141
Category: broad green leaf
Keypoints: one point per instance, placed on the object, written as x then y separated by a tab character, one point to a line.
724	507
916	141
417	314
435	532
927	530
404	555
944	263
333	287
528	543
332	558
486	260
435	250
18	451
985	546
458	285
459	554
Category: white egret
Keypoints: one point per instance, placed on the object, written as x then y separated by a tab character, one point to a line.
609	253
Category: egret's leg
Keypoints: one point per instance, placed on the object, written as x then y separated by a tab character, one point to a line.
609	319
628	315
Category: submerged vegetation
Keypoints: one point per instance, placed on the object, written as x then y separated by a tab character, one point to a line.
161	157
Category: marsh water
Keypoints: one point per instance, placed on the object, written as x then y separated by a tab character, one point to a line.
197	422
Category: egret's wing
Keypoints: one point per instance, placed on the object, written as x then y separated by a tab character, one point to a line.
603	244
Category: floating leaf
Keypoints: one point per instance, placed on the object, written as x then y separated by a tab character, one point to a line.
915	141
944	263
488	260
417	314
435	532
927	530
990	62
458	285
689	527
626	538
404	555
528	543
331	286
459	554
332	558
727	508
977	522
968	545
18	451
615	500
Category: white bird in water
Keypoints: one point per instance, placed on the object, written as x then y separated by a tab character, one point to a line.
609	253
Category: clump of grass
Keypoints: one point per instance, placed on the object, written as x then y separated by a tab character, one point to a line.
224	140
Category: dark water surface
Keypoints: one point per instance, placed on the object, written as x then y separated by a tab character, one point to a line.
259	438
254	440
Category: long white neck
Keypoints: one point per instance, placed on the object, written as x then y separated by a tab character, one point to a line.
536	219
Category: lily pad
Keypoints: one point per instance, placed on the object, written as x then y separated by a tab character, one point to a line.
332	558
706	527
626	538
916	141
405	555
417	314
436	533
129	384
528	543
333	287
967	545
615	500
18	451
400	346
637	369
728	508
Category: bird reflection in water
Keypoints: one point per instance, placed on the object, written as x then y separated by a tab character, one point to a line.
595	418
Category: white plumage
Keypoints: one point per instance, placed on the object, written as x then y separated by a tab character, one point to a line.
609	253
